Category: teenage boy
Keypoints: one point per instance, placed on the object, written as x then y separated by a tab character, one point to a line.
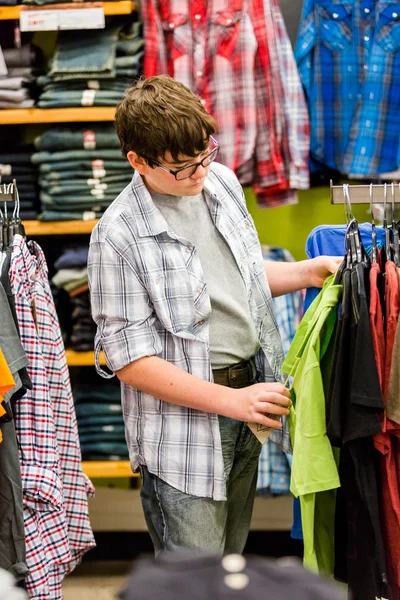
182	300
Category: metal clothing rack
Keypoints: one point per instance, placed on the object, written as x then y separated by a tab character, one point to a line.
375	193
9	226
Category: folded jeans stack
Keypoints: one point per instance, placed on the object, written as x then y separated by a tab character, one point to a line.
17	88
18	165
100	422
81	171
94	71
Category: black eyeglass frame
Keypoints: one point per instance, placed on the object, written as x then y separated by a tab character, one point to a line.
195	165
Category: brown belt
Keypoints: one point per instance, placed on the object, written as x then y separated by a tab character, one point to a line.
237	376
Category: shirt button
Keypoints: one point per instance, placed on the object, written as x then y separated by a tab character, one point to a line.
367	11
188	249
171	25
366	67
366	38
200	322
228	21
335	15
197	17
202	101
199	290
395	15
199	73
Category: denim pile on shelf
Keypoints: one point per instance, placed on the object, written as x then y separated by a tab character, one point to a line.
17	165
75	313
81	171
100	422
17	88
95	70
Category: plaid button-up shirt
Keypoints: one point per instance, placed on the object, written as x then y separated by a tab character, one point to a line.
349	60
55	490
236	55
149	297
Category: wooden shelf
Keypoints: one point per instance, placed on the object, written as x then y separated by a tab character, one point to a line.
108	468
20	116
33	228
125	7
82	359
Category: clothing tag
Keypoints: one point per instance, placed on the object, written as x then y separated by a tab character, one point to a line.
5	169
51	20
88	97
98	193
93	84
262	432
89	140
88	215
3	66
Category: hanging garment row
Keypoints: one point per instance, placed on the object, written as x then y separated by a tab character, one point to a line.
44	491
345	419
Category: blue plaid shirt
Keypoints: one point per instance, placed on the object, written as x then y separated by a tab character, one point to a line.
347	54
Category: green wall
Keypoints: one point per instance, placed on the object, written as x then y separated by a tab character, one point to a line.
289	226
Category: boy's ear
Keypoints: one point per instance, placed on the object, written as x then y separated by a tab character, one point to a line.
137	162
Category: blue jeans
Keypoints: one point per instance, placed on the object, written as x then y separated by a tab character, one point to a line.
63	138
178	520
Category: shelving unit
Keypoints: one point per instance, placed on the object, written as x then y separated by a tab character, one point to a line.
27	116
105	469
82	359
33	228
125	7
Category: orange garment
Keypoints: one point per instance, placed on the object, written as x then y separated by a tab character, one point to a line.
6	383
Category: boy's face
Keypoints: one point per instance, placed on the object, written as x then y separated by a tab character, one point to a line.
161	181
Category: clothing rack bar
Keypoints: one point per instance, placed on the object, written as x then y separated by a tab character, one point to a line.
360	194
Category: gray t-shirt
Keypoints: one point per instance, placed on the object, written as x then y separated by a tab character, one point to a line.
233	336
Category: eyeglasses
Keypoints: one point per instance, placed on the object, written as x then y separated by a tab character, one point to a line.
190	170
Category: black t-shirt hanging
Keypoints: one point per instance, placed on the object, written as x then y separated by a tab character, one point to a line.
353	408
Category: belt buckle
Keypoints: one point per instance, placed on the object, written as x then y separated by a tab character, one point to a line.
251	369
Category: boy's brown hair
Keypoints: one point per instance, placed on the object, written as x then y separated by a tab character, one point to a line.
161	115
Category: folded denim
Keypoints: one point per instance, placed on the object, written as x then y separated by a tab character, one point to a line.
14	95
105	447
99	428
63	138
129	45
23	178
20	57
64	185
87	207
86	409
97	59
78	101
8	2
100	420
74	155
98	190
99	167
89	392
75	201
12	83
61	177
72	257
13	105
102	438
50	215
131	60
78	96
28	215
118	83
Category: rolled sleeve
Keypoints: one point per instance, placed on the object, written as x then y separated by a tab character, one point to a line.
121	308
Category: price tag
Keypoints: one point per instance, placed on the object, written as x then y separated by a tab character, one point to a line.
52	20
38	20
3	66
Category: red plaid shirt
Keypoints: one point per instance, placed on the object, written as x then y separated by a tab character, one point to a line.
55	489
236	55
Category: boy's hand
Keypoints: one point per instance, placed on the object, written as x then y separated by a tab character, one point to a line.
254	402
320	268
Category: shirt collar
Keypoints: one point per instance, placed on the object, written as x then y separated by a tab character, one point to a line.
149	219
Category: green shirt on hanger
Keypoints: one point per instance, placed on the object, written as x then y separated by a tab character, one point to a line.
314	470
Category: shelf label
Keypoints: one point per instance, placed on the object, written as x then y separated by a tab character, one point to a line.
71	18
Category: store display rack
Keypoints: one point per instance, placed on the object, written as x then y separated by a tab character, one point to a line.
125	7
29	116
